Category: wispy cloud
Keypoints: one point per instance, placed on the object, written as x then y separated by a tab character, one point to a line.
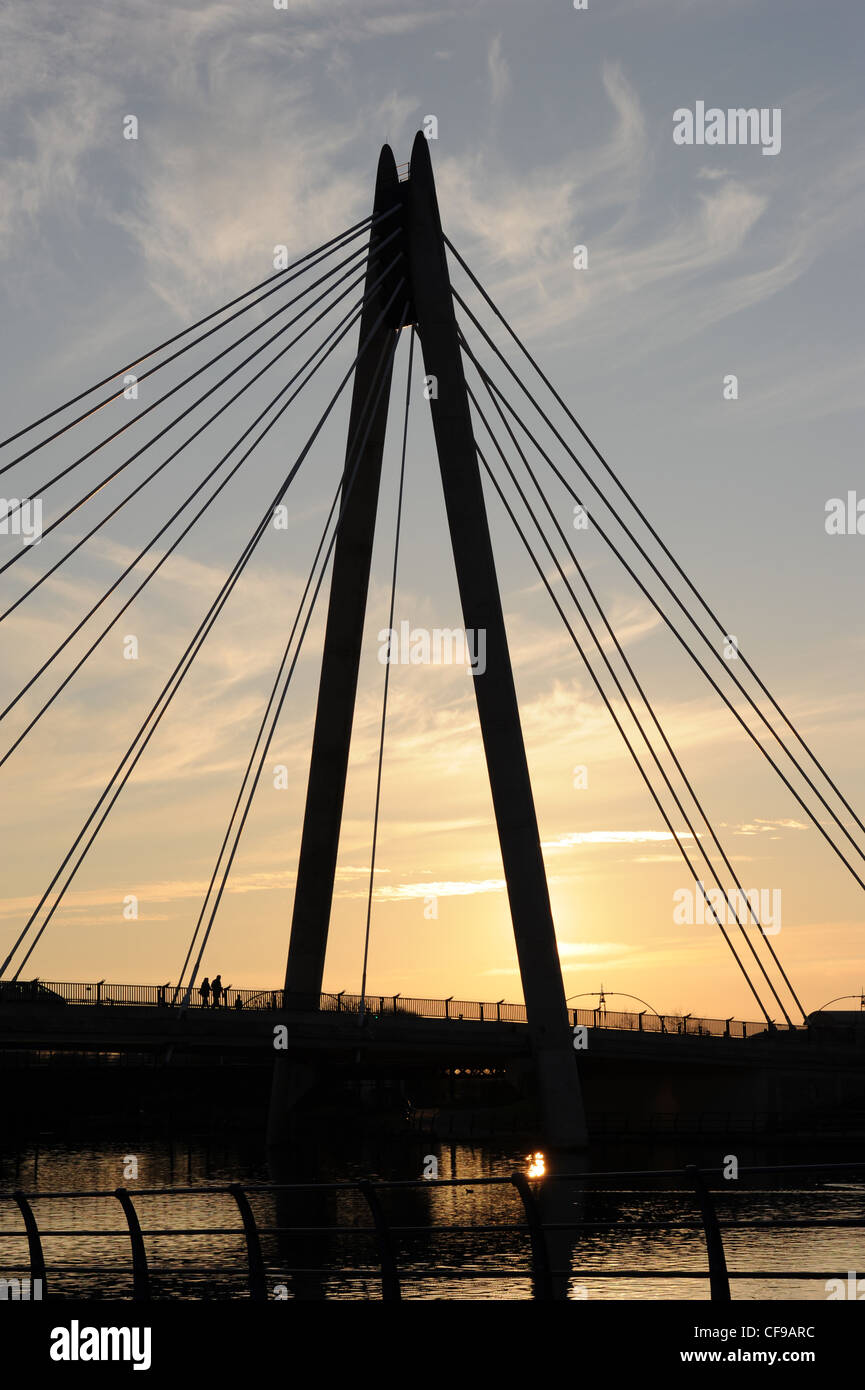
499	72
706	246
612	837
571	953
760	826
404	891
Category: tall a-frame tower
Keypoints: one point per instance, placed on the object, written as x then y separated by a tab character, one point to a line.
430	308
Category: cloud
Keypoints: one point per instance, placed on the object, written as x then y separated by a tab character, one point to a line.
578	950
403	891
499	72
572	952
612	837
668	271
521	221
217	176
158	891
357	871
759	826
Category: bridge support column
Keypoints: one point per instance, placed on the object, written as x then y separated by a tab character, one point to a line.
325	794
344	632
431	307
519	838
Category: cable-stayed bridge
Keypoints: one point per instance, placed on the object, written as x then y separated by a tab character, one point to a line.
501	430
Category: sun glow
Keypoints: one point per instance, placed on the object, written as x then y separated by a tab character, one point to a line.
537	1167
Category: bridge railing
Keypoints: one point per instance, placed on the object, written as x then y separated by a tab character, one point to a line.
104	994
548	1250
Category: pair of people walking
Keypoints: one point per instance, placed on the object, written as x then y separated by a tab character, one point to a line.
211	992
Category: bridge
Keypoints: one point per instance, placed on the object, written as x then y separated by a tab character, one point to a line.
463	1067
99	993
401	262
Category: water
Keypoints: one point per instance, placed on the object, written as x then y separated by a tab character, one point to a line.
455	1259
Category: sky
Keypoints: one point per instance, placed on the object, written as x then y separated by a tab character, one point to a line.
260	127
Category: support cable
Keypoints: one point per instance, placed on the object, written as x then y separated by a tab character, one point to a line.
186	660
386	678
630	669
666	585
335	243
605	658
539	567
712	615
356	256
382	373
694	657
189	439
179	986
336	334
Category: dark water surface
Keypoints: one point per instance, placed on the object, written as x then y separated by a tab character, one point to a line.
467	1254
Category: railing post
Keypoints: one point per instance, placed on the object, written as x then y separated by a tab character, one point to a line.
542	1276
140	1275
719	1282
390	1289
448	1002
499	1010
339	1001
257	1281
34	1243
640	1024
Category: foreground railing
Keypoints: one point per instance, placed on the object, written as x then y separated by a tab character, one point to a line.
544	1235
102	994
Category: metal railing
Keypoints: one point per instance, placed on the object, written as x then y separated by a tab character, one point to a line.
102	993
548	1279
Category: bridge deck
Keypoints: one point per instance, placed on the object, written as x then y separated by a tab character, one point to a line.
101	994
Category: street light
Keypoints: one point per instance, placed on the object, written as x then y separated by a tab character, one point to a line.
616	993
841	998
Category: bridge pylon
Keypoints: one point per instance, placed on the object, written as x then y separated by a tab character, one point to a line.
430	308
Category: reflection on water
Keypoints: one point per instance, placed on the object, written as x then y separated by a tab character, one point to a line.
626	1226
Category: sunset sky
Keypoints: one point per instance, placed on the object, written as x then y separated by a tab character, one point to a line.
260	127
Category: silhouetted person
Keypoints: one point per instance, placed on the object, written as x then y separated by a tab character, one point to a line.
238	1003
204	991
216	990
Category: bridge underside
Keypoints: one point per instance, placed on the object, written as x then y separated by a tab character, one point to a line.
465	1076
